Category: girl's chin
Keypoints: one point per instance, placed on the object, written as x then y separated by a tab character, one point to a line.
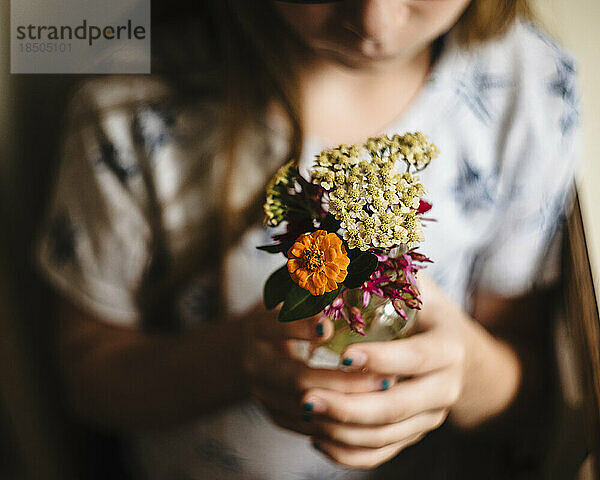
356	57
358	60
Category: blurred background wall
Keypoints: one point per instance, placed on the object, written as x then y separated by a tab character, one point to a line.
36	440
575	24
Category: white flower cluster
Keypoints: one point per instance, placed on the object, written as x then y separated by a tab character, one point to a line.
376	205
412	148
274	207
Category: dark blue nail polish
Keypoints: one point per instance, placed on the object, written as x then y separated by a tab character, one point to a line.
307	417
347	361
308	407
319	329
385	384
317	446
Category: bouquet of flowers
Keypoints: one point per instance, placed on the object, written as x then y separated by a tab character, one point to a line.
351	233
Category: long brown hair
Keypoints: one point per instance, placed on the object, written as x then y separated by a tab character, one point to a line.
485	19
241	52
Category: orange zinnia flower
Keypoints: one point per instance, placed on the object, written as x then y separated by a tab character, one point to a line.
318	261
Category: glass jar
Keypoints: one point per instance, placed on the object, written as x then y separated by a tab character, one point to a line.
382	323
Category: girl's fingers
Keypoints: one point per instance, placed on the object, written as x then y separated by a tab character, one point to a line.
317	328
294	425
422	353
437	390
287	374
379	436
358	457
285	412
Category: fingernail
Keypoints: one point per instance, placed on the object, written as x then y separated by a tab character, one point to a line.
307	417
317	446
314	405
385	384
354	359
319	329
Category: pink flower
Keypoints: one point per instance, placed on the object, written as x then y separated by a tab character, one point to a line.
424	206
408	268
357	322
381	257
399	310
336	309
394	279
407	264
419	257
372	286
393	291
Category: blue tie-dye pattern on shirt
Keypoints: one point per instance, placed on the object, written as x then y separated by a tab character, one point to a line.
474	90
473	189
152	126
123	166
562	83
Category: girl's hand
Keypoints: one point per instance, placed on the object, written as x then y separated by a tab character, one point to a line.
392	393
279	377
364	430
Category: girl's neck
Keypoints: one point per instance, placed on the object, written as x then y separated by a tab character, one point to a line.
343	105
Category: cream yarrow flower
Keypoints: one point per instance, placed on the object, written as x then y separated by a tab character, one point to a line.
375	204
414	149
274	207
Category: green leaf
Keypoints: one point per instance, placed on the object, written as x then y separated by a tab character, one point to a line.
353	253
299	303
277	287
330	224
282	247
360	269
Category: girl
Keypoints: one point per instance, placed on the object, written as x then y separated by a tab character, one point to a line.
152	231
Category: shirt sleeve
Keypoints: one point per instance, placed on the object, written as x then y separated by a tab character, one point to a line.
93	245
542	153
